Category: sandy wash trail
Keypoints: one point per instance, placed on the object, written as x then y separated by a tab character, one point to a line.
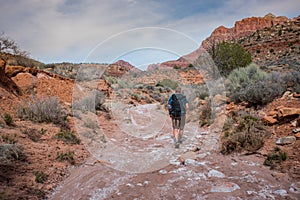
133	157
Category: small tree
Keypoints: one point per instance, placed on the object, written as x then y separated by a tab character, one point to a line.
229	56
8	45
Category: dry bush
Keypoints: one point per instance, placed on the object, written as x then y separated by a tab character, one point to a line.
45	109
68	137
243	133
10	153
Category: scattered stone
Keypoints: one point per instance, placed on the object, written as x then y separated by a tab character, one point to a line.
269	120
296	95
215	173
225	187
191	162
286	94
296	130
188	155
163	172
294	123
280	192
286	140
140	184
219	100
272	113
202	155
295	188
174	162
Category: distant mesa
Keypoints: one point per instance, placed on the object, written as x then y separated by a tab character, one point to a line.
120	67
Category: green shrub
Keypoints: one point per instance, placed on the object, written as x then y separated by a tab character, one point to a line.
275	157
40	177
68	137
67	156
8	119
168	83
229	56
248	134
45	109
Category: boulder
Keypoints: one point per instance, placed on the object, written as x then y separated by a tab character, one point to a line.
297	135
11	71
284	112
286	140
269	120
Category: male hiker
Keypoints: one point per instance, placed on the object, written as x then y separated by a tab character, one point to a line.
178	105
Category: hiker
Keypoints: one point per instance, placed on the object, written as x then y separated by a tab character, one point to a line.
178	105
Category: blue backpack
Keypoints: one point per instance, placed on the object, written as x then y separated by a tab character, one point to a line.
177	105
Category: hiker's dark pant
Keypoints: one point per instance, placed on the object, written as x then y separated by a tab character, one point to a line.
178	122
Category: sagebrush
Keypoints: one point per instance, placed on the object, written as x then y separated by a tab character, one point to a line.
45	109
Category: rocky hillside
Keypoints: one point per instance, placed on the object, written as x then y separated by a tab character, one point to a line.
276	45
271	40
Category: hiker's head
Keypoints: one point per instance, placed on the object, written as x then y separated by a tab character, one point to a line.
178	90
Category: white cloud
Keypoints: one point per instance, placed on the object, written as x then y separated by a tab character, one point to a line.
65	30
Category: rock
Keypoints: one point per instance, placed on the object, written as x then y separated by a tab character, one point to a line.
297	135
295	188
272	113
215	173
294	123
225	187
287	112
269	120
296	130
296	95
286	140
11	71
286	95
2	66
163	172
280	192
219	100
188	155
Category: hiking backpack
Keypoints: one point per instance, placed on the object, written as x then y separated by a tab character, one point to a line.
177	105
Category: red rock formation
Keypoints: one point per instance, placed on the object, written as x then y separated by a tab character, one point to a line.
242	28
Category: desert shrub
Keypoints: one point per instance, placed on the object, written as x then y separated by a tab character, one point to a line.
67	136
67	156
45	109
243	133
254	86
34	134
168	83
137	96
229	56
205	114
275	157
291	79
8	119
10	139
93	101
40	177
10	153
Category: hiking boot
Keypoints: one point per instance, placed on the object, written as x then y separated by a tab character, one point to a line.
177	145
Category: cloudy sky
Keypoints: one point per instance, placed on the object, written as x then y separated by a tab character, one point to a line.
139	31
